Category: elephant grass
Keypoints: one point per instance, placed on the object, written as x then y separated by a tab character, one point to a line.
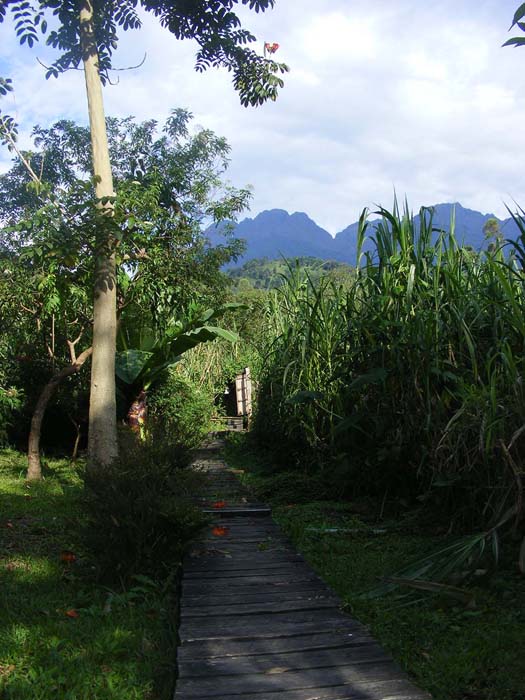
408	380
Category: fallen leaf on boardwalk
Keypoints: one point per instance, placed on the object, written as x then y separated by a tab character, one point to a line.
219	504
220	531
67	556
72	613
9	524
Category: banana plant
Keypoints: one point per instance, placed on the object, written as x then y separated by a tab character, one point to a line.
145	355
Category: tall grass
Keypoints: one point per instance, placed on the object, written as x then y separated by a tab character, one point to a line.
410	379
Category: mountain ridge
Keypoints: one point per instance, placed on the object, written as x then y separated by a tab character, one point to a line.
275	233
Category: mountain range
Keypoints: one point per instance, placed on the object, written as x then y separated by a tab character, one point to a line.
275	233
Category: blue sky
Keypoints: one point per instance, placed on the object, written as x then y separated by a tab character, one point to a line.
410	95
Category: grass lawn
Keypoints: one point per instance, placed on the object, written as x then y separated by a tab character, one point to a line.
63	636
453	651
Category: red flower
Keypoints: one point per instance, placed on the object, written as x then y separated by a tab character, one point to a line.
270	48
67	557
220	531
72	613
219	504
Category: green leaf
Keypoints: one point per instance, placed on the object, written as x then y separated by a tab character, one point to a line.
375	376
519	14
305	397
130	363
515	41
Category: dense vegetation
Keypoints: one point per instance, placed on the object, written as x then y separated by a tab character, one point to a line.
407	383
261	273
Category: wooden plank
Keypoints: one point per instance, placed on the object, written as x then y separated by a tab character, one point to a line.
236	540
242	553
283	571
238	548
249	522
242	630
283	663
242	548
231	564
239	511
213	598
263	529
239	536
277	618
251	568
269	607
196	587
207	649
226	558
380	690
271	580
246	560
228	686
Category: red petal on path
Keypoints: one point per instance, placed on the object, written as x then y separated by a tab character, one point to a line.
68	556
220	531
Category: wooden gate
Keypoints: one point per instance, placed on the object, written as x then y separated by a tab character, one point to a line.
243	393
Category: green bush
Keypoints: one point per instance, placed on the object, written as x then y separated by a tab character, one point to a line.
10	404
182	409
140	516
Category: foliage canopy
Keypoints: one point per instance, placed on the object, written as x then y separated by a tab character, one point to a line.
222	41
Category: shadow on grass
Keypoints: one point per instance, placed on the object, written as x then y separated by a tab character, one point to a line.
61	634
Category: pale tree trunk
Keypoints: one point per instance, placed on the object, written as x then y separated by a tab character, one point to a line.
34	467
102	438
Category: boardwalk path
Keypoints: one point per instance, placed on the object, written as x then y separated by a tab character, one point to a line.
258	624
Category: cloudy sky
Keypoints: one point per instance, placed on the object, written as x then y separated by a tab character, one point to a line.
407	95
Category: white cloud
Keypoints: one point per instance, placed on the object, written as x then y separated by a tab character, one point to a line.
412	95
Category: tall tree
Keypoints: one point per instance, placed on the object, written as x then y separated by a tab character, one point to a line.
168	184
87	34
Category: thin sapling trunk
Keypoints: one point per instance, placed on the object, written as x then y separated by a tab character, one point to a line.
102	439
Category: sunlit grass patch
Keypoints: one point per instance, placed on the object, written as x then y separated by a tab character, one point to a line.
62	635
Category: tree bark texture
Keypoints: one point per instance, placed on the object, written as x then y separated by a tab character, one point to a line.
34	467
102	438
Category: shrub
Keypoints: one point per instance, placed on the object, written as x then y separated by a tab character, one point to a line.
10	404
140	516
182	409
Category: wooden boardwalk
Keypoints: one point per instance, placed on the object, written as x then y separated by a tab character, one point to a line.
258	624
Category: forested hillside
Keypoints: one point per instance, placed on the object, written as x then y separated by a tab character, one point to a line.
262	273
